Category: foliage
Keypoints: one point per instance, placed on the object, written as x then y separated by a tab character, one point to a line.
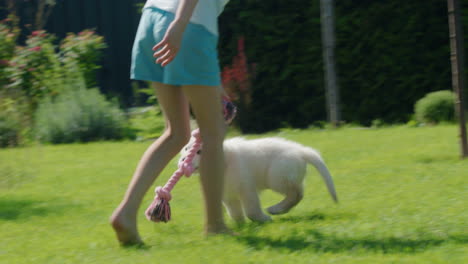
387	63
402	200
237	82
287	89
8	35
13	103
39	69
84	48
35	13
384	63
35	70
39	72
13	121
435	107
9	131
147	122
79	115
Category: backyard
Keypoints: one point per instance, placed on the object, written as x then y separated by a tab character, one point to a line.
402	193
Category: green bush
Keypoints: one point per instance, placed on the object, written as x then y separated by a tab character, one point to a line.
79	115
38	73
9	132
13	121
435	107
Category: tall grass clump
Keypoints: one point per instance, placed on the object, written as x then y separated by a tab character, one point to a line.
79	115
435	107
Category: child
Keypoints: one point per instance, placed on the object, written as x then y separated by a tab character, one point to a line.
183	67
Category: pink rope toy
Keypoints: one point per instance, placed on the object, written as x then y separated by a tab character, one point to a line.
159	210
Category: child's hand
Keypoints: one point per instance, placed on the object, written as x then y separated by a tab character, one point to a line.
166	50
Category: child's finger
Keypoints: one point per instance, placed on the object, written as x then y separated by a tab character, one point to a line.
164	57
161	44
166	62
162	51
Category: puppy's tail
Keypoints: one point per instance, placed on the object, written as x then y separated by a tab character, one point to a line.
314	158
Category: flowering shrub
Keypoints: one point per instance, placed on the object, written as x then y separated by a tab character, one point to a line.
35	69
38	70
39	74
237	80
12	104
85	49
8	34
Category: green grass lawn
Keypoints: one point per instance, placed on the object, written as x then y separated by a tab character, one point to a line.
402	192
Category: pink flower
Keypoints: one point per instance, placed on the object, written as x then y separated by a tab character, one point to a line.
86	33
4	62
37	48
38	33
237	77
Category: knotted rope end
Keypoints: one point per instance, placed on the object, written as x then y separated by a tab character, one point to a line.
160	210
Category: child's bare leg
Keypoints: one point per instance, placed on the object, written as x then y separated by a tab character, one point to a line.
153	161
206	105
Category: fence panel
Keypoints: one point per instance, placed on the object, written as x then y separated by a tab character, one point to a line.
117	22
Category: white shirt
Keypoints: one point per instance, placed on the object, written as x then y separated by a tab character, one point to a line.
206	12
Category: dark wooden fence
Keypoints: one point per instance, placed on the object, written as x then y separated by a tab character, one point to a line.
117	21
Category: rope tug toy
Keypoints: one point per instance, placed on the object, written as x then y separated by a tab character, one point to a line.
159	210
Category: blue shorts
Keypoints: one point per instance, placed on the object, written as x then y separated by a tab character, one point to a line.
196	63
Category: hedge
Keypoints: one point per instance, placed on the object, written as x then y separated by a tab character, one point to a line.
389	54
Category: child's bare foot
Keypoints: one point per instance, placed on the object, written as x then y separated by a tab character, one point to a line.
125	229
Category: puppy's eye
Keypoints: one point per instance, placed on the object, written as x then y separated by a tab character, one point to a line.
198	152
186	148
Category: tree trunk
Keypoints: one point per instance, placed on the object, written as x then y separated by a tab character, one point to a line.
458	74
328	47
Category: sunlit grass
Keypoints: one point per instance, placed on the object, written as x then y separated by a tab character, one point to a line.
402	194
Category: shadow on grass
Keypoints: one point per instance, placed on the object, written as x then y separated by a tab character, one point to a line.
426	159
320	242
314	217
314	240
136	247
19	209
